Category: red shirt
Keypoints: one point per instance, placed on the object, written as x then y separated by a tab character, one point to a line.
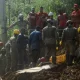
62	19
75	16
41	18
32	20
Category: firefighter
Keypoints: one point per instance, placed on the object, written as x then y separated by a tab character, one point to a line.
49	36
2	61
41	18
8	56
22	41
14	50
62	19
77	53
75	16
32	19
34	44
21	23
51	16
69	39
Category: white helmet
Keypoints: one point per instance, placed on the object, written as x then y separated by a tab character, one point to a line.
50	14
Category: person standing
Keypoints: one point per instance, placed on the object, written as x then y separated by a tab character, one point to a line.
32	19
35	40
69	39
22	42
62	19
21	23
51	16
49	36
2	61
75	16
8	56
41	18
14	50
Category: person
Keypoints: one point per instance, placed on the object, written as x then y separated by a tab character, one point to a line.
62	19
69	39
32	19
41	18
52	18
14	50
77	53
21	23
2	61
22	41
8	56
75	16
49	36
35	40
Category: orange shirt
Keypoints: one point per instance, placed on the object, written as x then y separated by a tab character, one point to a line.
62	19
75	17
32	20
41	18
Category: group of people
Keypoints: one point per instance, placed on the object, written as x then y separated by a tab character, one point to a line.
45	32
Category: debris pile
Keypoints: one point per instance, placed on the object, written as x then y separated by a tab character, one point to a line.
68	73
60	72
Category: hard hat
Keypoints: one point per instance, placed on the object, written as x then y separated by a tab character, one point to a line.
20	16
78	30
16	31
50	14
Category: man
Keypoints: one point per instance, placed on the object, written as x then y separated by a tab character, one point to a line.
75	16
2	61
49	36
22	42
41	18
69	38
77	53
62	19
8	56
52	19
21	23
32	19
35	40
14	50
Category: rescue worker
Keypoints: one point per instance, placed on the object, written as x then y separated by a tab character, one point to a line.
75	16
32	19
69	39
14	50
8	56
51	16
2	61
35	40
21	23
77	53
49	36
41	18
22	42
62	19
